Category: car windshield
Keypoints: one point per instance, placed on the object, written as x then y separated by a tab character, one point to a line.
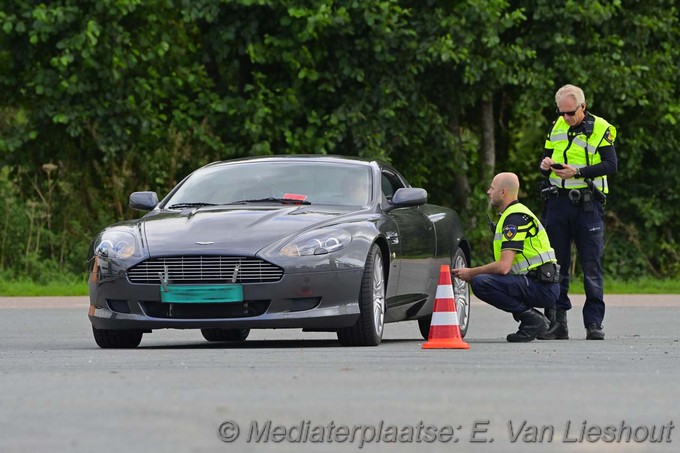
275	182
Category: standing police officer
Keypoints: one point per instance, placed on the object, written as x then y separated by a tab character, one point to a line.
524	274
579	155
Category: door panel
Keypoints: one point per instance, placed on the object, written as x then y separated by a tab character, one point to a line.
417	250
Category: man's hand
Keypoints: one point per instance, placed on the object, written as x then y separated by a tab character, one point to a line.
567	172
463	273
546	163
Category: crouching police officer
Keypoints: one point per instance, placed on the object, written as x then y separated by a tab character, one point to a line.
579	155
524	274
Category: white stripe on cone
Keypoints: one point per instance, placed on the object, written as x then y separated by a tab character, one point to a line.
444	292
444	318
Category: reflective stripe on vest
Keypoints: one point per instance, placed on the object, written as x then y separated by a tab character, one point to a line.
557	136
579	183
585	145
535	261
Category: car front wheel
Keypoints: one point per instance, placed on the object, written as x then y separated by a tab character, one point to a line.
461	294
121	339
368	329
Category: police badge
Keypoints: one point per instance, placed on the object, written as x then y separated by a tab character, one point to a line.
509	231
609	137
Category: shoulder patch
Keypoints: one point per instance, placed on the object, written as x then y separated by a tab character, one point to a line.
609	137
509	231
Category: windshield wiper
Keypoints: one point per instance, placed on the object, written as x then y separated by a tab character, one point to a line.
274	199
197	204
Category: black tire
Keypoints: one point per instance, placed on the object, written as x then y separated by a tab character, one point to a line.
369	328
119	339
461	293
225	334
424	326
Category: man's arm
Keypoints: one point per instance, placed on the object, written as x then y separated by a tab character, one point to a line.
547	153
501	267
546	158
606	167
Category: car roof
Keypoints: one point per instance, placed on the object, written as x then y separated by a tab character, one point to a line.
303	158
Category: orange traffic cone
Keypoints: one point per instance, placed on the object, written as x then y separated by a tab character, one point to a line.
444	328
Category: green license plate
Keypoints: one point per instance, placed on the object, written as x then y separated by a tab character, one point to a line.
201	294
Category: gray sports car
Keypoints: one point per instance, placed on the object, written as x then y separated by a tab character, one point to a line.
319	243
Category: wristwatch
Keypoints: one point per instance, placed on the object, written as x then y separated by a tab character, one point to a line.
578	173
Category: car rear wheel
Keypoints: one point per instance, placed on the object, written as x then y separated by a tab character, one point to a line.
461	294
368	329
225	334
121	339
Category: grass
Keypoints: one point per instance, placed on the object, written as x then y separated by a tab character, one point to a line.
28	288
78	287
643	285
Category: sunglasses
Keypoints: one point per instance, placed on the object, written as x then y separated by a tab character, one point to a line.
572	113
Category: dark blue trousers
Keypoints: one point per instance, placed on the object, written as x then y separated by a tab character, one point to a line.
514	293
566	223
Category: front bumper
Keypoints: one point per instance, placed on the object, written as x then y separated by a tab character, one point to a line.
315	300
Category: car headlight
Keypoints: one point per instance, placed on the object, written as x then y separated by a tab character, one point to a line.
117	244
318	242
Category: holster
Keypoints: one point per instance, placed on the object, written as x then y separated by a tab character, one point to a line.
546	273
547	190
583	198
587	200
597	193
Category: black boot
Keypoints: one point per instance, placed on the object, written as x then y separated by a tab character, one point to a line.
550	314
532	323
594	332
558	328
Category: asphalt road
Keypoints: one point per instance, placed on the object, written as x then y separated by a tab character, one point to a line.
292	391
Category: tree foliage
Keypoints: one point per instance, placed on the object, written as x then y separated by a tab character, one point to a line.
123	95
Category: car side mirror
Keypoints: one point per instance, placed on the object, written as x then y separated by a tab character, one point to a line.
411	196
143	201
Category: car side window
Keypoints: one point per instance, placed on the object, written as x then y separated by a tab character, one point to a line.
390	183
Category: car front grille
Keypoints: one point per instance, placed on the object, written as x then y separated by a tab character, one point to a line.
205	269
245	309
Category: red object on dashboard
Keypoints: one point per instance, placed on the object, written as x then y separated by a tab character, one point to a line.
294	197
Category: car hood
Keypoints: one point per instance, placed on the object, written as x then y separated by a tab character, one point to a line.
230	230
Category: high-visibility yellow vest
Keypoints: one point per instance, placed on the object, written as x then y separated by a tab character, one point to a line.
536	249
580	152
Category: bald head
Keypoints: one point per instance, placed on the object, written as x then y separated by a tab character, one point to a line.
508	181
504	189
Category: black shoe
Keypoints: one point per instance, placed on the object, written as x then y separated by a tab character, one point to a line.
558	327
532	323
550	313
594	332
